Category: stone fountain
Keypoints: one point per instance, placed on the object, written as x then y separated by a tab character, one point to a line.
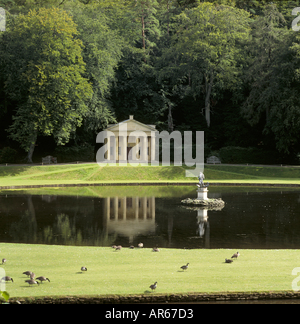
202	200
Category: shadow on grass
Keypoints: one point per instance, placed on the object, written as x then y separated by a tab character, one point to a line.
6	171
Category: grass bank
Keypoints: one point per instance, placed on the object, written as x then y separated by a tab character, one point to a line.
93	173
131	271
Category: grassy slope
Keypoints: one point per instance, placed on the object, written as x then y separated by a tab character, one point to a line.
88	173
132	271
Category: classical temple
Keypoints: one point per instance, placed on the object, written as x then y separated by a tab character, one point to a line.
130	140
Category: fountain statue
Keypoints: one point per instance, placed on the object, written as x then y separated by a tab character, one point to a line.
202	199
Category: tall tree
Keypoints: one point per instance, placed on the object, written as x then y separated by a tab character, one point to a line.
42	66
145	16
102	54
273	81
267	35
206	50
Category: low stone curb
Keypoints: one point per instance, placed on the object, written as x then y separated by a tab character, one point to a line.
152	299
220	184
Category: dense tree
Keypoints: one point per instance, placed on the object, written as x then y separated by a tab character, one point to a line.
229	67
42	69
102	53
206	50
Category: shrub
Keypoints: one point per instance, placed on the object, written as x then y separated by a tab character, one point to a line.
251	155
75	153
8	155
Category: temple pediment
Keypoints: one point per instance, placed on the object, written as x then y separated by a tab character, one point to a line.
123	145
132	125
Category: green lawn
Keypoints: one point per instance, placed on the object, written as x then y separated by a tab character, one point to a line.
132	271
93	173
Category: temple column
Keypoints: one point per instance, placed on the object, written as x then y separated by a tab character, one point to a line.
152	146
144	156
123	145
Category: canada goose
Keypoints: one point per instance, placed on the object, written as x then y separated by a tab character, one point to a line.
140	245
42	278
228	261
119	247
236	255
32	282
83	269
155	249
29	273
184	267
114	246
131	247
3	261
7	278
153	286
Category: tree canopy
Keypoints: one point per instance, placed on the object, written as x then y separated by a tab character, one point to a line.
68	68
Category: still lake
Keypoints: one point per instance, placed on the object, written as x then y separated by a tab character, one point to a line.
253	218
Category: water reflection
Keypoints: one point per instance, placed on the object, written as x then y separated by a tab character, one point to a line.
129	216
203	226
250	219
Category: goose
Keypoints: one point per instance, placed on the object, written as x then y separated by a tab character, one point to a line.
131	247
42	278
140	245
119	247
7	278
32	282
184	267
228	261
155	249
29	273
236	255
83	268
153	286
3	261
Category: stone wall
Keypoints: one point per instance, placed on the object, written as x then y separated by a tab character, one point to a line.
158	298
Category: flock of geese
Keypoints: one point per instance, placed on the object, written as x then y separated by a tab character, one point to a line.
184	267
33	280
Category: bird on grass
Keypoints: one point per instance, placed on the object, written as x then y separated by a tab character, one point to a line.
153	287
3	261
155	249
29	274
140	245
228	261
184	267
7	278
83	268
42	278
236	255
32	282
118	247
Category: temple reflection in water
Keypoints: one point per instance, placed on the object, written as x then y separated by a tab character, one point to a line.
129	216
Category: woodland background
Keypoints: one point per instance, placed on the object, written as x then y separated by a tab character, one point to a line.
230	68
